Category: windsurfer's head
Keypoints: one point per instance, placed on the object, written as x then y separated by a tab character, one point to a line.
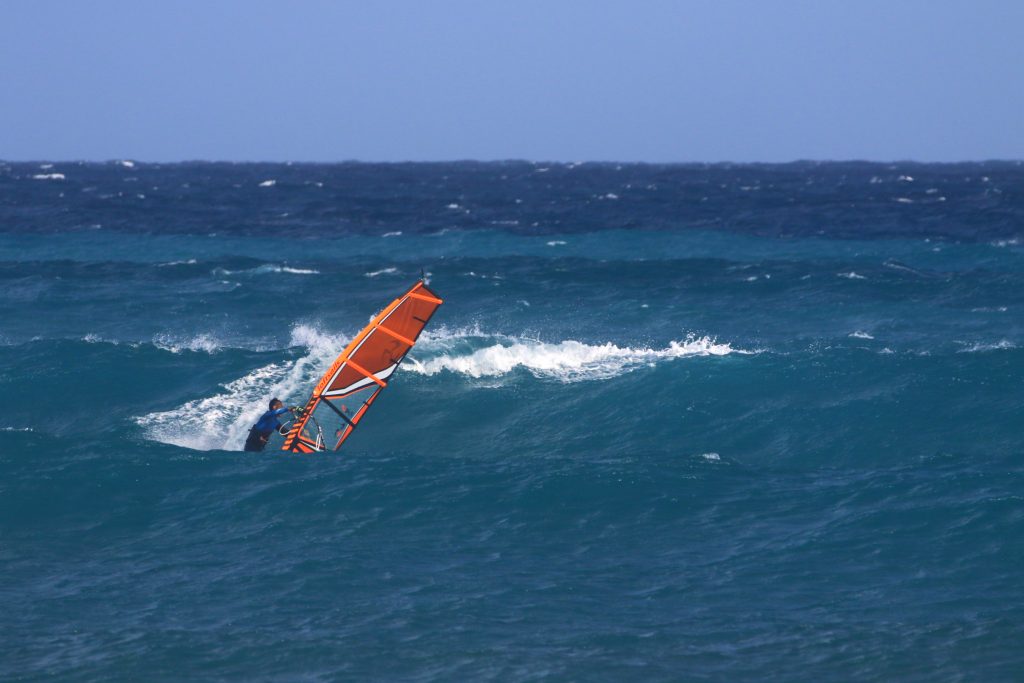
275	403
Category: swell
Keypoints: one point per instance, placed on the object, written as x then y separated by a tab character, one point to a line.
500	396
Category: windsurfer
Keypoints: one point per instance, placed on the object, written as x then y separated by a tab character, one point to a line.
260	433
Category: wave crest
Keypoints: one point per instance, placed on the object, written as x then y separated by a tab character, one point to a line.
221	420
566	361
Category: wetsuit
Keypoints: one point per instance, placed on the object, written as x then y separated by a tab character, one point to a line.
264	427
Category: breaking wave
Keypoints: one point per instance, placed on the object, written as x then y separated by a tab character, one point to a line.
221	421
565	361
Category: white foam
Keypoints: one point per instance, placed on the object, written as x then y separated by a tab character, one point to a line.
611	195
199	342
453	206
49	176
189	262
905	179
91	338
566	361
713	457
851	276
382	271
1006	243
222	420
16	429
556	243
268	183
1001	345
904	200
393	233
861	335
267	268
126	163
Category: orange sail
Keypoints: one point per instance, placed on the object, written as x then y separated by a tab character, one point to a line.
351	385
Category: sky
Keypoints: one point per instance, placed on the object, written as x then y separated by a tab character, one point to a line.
545	80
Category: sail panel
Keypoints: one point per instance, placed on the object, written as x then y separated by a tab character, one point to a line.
345	392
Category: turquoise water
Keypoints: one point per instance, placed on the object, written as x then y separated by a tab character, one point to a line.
671	423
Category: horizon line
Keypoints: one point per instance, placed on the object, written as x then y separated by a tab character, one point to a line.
509	160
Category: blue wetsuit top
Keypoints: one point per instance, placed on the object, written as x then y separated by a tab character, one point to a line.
269	422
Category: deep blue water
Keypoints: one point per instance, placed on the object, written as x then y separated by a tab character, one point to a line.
706	422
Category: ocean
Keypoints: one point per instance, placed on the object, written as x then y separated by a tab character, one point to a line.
672	423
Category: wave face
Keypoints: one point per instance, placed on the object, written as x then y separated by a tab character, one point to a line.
710	422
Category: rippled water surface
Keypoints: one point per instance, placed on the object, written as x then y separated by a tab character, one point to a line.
671	423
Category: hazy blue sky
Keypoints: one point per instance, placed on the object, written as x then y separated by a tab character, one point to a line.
536	79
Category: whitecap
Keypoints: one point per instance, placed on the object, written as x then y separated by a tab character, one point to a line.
267	268
126	163
393	233
565	361
712	457
200	342
268	183
860	335
557	243
1001	345
48	176
851	276
382	271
